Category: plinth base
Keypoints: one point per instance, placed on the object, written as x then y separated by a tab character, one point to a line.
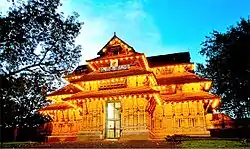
135	135
89	136
61	138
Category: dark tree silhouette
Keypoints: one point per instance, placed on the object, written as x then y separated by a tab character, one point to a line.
228	66
37	46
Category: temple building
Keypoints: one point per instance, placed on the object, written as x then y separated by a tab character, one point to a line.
123	94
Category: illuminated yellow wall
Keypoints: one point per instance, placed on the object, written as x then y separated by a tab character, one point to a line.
179	118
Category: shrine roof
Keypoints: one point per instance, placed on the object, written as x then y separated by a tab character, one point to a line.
175	58
113	92
68	89
180	78
114	74
56	106
189	96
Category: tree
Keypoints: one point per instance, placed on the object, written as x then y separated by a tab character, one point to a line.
228	66
37	46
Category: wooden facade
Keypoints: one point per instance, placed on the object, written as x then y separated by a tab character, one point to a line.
122	94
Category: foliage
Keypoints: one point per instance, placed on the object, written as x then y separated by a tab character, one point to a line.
37	46
177	138
228	66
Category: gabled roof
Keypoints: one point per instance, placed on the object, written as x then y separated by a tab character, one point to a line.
180	78
189	96
80	70
56	106
68	89
113	92
115	74
175	58
115	56
101	52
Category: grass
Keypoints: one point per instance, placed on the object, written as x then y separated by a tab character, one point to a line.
16	144
214	144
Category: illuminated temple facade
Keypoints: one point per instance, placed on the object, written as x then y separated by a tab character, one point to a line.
123	94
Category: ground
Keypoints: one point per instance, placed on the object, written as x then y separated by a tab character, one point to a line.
133	144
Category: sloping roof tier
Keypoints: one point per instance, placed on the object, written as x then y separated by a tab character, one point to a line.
114	92
82	69
68	89
180	78
189	96
175	58
56	106
107	75
114	57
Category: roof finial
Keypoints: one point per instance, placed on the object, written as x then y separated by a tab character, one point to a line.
114	33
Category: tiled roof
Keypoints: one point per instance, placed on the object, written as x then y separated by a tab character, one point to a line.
68	89
113	92
56	106
115	56
180	78
80	70
189	96
114	74
175	58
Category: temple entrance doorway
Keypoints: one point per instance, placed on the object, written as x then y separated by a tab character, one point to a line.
113	120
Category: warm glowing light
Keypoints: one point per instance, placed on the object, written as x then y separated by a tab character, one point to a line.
110	111
78	86
145	62
92	67
215	103
101	61
207	85
106	61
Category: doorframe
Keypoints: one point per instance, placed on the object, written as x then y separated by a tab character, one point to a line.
106	120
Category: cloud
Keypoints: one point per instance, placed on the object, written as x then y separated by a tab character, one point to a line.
127	18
